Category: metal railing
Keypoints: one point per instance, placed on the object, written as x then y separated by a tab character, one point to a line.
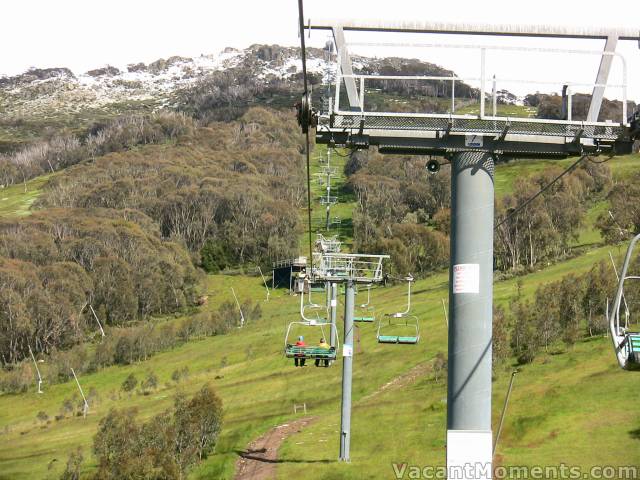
348	266
361	79
328	245
328	200
288	262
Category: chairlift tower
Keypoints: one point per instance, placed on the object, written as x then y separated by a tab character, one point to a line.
325	175
349	269
35	364
85	406
239	308
472	143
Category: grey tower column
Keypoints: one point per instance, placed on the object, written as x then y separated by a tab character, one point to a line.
347	372
469	439
333	308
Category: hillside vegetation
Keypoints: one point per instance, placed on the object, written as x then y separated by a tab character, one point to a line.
141	225
126	229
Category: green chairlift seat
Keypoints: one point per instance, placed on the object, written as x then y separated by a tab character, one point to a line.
401	339
387	339
293	351
634	347
409	340
398	323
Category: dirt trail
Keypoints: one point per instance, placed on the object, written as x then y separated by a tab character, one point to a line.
260	459
400	381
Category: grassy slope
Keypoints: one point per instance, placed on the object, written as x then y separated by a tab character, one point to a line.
342	209
259	387
577	422
16	200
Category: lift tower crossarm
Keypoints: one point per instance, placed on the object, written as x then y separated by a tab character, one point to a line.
611	35
522	30
423	133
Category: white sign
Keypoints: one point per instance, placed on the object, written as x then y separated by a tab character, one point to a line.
469	454
347	350
473	140
334	303
466	278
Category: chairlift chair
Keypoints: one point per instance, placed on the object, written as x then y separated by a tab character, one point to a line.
311	306
626	343
391	324
368	312
310	351
400	321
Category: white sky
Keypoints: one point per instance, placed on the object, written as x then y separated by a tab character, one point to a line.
81	34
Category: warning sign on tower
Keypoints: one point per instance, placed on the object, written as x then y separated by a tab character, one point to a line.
466	278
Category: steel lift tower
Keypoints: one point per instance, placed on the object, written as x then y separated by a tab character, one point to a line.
471	143
349	269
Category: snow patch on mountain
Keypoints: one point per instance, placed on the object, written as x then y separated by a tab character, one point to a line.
46	91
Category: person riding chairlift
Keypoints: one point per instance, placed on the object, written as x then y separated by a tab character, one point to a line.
297	360
326	346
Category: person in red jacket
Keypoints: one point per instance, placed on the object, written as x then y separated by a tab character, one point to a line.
298	360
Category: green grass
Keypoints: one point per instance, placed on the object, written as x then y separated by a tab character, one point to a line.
589	235
624	166
501	110
16	200
258	385
343	209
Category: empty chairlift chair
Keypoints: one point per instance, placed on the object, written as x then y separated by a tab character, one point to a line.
400	327
367	312
626	343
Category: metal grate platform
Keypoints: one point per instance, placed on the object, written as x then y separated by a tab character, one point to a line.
496	126
341	267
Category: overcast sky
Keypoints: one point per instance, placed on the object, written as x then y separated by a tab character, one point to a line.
81	34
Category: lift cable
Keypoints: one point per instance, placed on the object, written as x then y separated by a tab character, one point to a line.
542	190
307	144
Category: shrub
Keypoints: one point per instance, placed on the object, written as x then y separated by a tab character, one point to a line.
74	465
149	383
166	446
180	374
129	383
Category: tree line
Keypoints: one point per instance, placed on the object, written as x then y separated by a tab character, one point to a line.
58	264
550	106
61	150
559	314
232	188
119	236
404	211
399	208
545	229
562	312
